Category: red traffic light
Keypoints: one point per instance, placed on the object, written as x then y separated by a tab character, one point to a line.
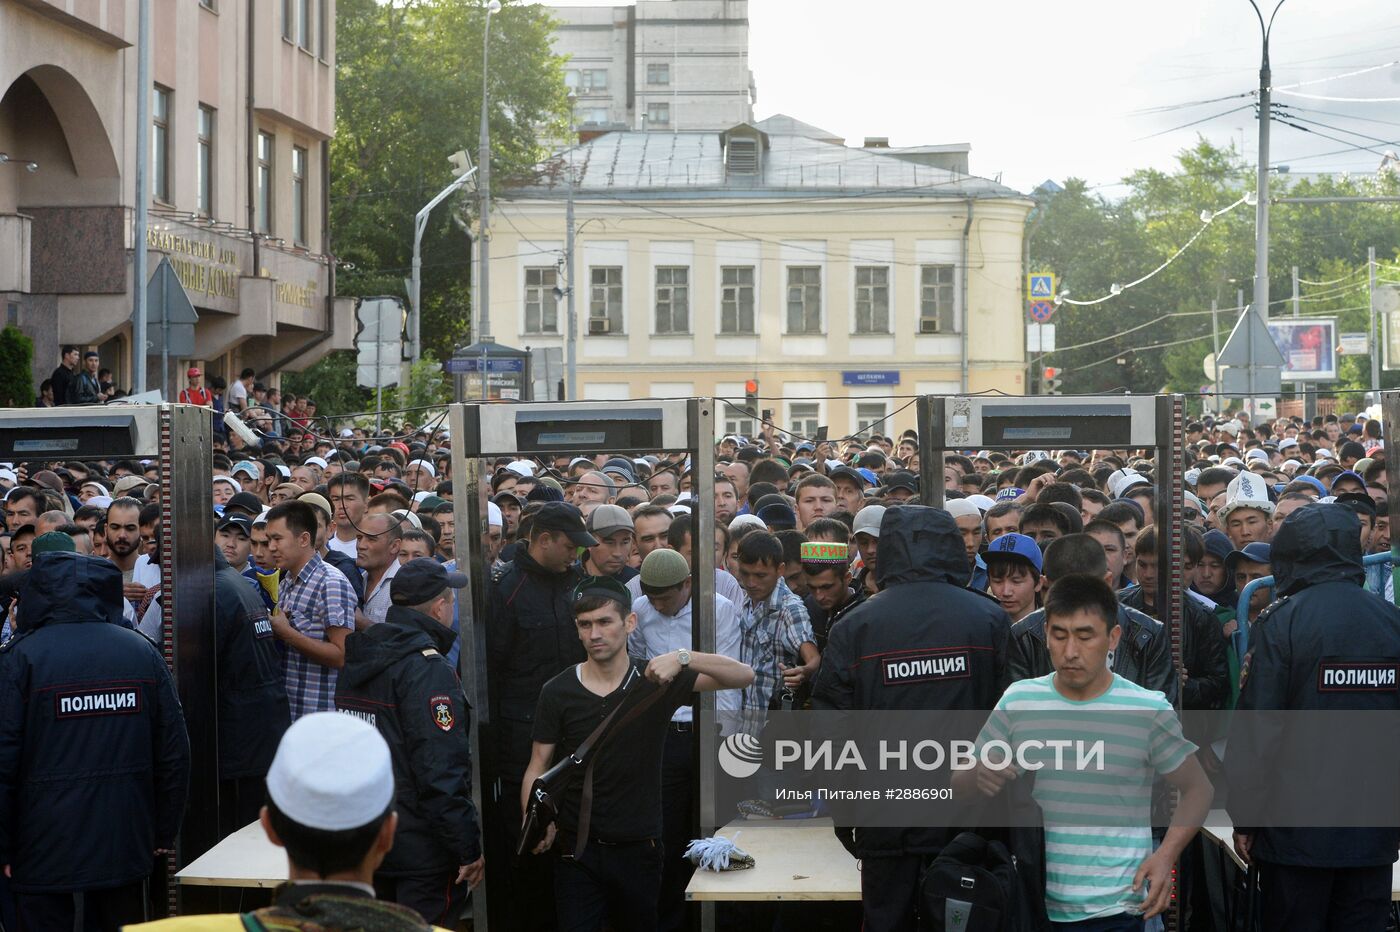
1052	373
751	386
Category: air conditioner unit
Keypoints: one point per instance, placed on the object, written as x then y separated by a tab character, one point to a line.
599	325
929	325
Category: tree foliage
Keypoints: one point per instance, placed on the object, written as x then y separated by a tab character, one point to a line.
408	95
16	357
1154	336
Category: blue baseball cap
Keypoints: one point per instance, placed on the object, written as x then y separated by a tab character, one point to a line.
1254	552
1008	495
1015	547
1315	483
1349	474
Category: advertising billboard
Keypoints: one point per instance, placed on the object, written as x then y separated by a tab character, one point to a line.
1309	347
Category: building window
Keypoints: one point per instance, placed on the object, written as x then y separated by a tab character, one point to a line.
605	300
737	420
299	195
872	299
289	20
204	166
592	115
323	28
659	75
673	299
736	299
160	145
869	414
304	21
937	312
263	208
804	419
541	306
587	80
208	5
658	114
804	299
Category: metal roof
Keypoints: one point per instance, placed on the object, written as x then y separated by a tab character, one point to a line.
691	165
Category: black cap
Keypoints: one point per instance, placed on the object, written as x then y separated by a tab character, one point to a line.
846	472
245	525
244	502
422	580
602	587
561	516
902	480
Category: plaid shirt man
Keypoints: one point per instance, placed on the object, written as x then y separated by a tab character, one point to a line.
771	631
320	598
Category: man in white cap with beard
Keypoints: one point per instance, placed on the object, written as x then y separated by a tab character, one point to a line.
336	833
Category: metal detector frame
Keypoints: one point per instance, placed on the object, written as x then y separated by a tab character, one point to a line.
180	439
492	429
956	423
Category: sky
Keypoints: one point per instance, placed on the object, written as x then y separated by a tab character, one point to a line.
1050	89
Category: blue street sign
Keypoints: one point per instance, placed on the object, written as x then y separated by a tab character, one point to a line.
458	364
1041	311
1041	286
884	377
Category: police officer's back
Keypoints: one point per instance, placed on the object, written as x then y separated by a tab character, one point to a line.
1324	644
397	678
94	758
253	707
922	612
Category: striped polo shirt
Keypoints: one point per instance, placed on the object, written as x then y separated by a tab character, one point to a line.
1098	820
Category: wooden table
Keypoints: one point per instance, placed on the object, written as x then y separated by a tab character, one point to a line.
796	860
244	859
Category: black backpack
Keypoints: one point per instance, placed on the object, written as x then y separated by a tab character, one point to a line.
972	886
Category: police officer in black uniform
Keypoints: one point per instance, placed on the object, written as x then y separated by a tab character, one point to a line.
1325	643
922	610
397	678
530	638
253	707
94	758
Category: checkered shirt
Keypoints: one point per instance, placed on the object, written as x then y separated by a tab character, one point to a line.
771	630
319	598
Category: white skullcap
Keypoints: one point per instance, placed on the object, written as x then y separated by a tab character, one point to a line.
8	475
100	501
962	508
425	465
983	502
315	461
332	772
419	496
1123	479
522	468
745	521
408	517
494	518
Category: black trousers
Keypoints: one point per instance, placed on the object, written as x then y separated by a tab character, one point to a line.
528	901
889	892
438	898
240	802
613	883
1320	899
678	828
92	911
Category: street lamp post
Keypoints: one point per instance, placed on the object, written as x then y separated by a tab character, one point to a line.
1261	207
483	161
420	224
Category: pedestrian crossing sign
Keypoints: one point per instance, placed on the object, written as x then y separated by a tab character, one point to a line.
1040	287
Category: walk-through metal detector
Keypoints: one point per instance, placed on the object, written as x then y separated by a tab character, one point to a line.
958	424
179	438
547	430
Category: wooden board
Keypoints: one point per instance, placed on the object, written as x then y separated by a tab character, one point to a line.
793	861
244	859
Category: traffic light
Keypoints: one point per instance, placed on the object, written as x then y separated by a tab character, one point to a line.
461	163
751	397
1052	381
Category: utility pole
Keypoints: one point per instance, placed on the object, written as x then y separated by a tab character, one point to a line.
571	347
143	195
483	161
1375	343
1261	207
1215	345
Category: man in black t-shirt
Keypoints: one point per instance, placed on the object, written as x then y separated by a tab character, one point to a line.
617	875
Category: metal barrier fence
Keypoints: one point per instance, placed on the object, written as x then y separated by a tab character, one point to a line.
1241	636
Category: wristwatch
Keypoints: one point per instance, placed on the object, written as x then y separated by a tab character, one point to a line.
683	656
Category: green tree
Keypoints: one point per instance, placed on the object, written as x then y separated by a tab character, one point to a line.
16	358
331	382
408	95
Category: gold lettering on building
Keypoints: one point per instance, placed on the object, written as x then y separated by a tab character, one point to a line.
204	269
299	295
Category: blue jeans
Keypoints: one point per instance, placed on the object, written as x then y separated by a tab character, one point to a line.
1123	922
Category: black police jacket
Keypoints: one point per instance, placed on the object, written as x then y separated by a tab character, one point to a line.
1144	654
530	639
396	678
253	707
1322	625
94	758
921	611
1202	652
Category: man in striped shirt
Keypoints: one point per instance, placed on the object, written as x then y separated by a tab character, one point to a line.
1101	874
315	609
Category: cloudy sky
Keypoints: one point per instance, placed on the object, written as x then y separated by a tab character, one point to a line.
1055	88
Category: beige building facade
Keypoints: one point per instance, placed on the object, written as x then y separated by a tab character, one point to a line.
843	281
243	108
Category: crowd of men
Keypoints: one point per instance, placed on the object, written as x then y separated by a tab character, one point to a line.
337	590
